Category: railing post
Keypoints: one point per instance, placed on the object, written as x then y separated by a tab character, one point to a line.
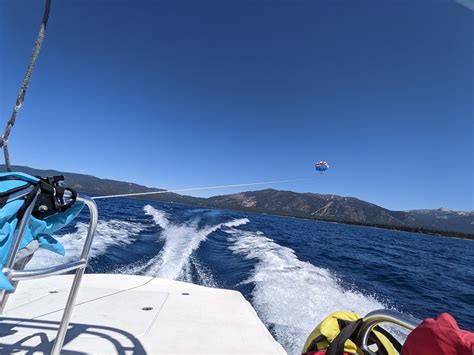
380	316
20	231
58	343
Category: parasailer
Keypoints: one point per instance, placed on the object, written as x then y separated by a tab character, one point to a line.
321	166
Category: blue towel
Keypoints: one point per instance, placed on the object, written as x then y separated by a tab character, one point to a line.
39	230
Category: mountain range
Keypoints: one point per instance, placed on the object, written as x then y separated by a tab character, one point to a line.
304	205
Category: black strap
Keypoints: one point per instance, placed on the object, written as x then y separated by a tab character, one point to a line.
391	338
47	7
7	193
28	201
373	339
337	345
314	344
51	198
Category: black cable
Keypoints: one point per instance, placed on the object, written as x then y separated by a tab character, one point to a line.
47	7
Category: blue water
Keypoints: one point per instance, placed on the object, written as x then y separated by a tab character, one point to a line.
294	272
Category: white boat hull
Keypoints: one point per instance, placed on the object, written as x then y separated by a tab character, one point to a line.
123	314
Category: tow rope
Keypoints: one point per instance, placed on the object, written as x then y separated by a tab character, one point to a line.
200	188
24	85
19	103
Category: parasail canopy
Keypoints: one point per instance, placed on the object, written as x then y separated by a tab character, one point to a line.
321	166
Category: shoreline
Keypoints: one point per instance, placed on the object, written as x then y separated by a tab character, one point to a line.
407	229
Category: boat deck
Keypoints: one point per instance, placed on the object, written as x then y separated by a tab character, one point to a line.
122	314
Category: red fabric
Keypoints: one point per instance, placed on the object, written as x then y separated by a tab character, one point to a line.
439	336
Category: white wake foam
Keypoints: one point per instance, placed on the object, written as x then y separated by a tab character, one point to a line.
292	296
108	233
203	274
180	240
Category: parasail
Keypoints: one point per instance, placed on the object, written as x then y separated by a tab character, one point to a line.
321	166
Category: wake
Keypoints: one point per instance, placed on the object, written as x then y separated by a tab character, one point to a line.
175	260
109	233
292	296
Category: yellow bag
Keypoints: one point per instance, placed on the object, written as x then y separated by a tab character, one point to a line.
337	333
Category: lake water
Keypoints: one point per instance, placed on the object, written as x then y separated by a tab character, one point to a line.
293	271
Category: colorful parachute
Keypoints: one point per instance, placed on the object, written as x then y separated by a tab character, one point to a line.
321	166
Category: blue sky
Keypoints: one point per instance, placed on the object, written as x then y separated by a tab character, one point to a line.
180	94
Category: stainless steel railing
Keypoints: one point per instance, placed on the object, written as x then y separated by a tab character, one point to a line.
78	265
12	253
383	316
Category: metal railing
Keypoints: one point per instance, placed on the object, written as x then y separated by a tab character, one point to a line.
78	265
383	316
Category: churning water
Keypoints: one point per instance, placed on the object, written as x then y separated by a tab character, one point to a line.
294	272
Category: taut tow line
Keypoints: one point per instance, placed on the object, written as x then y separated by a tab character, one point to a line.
200	188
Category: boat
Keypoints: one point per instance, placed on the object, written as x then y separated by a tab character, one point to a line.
51	311
61	310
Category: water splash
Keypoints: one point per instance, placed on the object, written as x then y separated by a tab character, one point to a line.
292	296
174	261
109	233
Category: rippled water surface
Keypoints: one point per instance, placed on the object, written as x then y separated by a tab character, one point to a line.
294	272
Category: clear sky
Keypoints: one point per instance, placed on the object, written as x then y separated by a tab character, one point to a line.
180	94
